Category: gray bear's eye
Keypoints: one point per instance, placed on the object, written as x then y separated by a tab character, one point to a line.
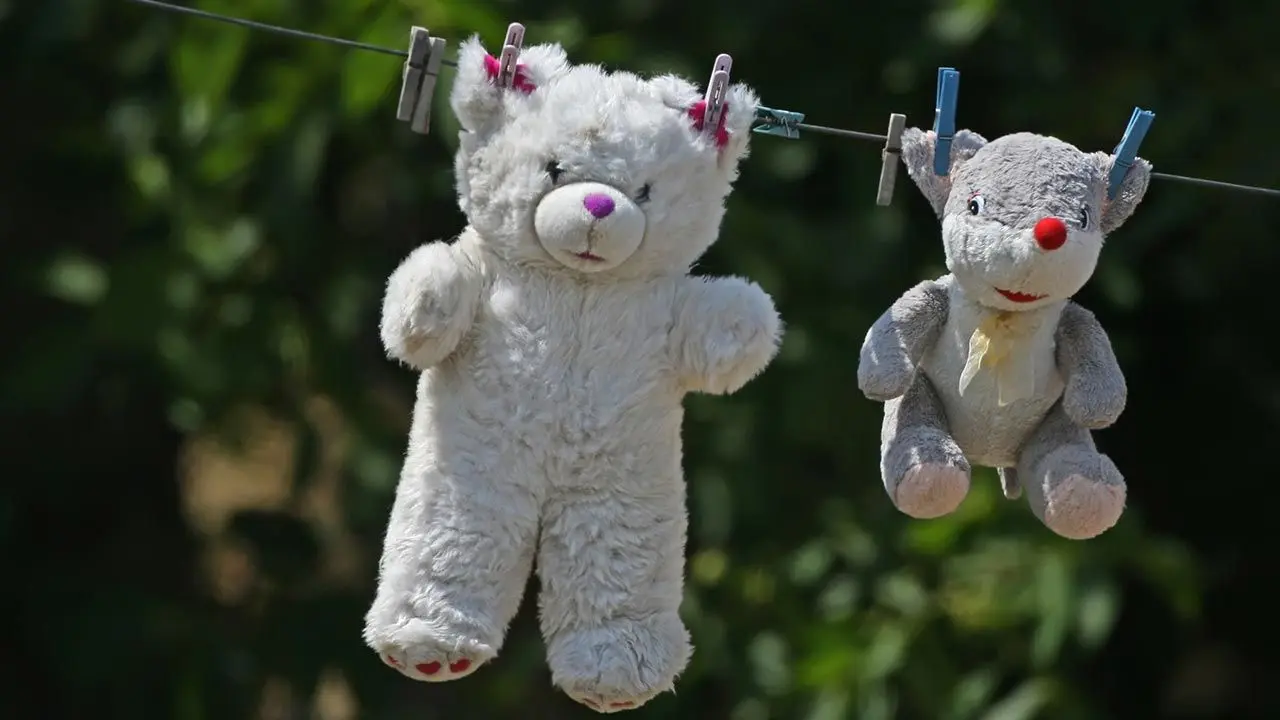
1084	218
976	204
643	195
554	170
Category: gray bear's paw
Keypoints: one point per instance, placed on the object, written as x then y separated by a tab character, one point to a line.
930	490
1084	493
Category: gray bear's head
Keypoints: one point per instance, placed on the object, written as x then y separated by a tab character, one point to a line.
1023	216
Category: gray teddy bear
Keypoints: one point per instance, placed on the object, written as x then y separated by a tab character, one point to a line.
993	364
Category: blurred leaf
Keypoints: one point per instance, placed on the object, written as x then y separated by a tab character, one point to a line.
1024	702
1099	607
1053	582
77	279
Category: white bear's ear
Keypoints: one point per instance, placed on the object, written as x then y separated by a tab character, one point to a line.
918	148
1132	189
476	98
741	103
733	134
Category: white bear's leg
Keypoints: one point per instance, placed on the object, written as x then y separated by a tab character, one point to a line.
924	471
611	564
457	555
1075	490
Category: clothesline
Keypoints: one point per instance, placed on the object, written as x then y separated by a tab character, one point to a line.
800	126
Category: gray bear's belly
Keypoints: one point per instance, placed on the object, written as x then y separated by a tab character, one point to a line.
989	434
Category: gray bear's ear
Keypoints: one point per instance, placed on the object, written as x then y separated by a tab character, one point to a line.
1134	187
477	100
917	154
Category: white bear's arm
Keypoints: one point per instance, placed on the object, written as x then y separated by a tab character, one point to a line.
430	303
898	341
1096	391
726	331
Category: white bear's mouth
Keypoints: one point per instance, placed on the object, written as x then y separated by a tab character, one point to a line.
588	256
1019	297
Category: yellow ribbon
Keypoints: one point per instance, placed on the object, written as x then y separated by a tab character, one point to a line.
991	347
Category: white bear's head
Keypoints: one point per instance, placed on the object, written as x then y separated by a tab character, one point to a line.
1023	216
601	174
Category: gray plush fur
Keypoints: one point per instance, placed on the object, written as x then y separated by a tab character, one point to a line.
1047	377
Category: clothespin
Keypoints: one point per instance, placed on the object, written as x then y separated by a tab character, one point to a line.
944	121
717	86
511	47
1127	151
781	123
889	158
418	83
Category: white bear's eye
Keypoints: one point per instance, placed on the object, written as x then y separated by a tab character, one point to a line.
976	204
643	195
554	170
1084	218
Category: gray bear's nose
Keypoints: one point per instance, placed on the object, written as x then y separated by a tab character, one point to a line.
1051	233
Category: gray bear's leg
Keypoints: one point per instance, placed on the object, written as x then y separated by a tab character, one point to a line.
1075	491
611	566
458	552
924	471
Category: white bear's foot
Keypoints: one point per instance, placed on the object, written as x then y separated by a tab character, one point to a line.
620	664
930	490
1083	493
425	651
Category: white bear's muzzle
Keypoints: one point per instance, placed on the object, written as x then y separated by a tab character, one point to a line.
589	226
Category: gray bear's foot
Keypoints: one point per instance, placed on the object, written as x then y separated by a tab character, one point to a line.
1076	492
930	490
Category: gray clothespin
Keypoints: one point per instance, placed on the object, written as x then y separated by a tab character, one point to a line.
889	158
418	83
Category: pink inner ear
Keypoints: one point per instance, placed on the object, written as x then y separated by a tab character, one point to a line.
698	114
520	82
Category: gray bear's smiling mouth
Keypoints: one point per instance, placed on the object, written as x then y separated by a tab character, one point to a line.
588	255
1019	297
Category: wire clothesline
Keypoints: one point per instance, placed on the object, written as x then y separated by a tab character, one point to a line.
808	127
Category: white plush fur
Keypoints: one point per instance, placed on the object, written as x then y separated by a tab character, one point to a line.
555	347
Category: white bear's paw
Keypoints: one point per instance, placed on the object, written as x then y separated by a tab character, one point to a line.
422	651
931	490
620	664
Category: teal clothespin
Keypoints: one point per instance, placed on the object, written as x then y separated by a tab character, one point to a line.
781	123
944	121
1127	150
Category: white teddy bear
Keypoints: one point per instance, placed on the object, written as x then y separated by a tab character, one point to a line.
556	338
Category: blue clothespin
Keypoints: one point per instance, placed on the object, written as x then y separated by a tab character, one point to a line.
944	120
781	123
1127	150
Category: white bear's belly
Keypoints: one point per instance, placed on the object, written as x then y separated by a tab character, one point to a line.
990	434
580	377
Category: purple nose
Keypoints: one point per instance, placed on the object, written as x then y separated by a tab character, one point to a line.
598	204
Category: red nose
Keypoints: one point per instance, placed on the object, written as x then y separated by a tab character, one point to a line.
1051	233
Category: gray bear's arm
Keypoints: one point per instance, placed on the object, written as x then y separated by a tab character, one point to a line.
1095	394
898	341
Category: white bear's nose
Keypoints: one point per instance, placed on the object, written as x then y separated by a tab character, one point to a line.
598	204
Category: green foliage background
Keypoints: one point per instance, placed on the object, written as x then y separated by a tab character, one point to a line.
197	220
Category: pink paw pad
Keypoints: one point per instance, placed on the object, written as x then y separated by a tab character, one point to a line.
430	668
